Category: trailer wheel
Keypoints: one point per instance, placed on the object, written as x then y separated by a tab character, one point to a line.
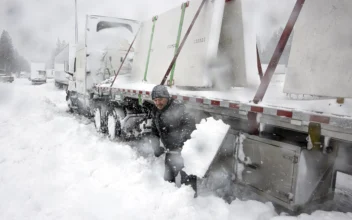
97	119
114	122
69	105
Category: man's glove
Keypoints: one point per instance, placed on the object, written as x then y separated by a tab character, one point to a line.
158	151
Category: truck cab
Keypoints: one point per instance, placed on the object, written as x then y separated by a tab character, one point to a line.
107	40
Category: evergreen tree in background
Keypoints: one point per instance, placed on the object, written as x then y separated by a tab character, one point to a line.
60	45
20	63
6	52
10	60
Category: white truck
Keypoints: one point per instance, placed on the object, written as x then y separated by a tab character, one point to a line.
50	73
288	140
98	59
38	73
63	63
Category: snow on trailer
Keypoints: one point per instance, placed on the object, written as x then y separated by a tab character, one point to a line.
299	112
286	147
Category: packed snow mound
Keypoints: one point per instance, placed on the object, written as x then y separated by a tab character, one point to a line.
200	150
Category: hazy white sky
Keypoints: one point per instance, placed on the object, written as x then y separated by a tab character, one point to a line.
35	25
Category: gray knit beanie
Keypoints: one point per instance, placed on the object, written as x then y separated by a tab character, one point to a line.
160	91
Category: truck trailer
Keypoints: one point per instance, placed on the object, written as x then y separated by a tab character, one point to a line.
63	63
289	138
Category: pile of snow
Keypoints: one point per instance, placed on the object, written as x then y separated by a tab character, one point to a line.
200	150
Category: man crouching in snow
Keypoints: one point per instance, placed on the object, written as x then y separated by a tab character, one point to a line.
173	125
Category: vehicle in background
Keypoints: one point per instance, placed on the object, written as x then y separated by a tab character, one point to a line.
64	63
6	77
50	73
38	73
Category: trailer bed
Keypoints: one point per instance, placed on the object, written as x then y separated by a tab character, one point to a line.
290	111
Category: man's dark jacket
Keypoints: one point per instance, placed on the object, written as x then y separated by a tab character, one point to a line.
173	125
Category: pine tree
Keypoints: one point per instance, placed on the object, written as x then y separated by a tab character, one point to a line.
63	45
6	52
10	59
60	45
16	62
25	66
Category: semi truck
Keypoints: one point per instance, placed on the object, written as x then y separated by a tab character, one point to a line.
63	63
38	73
289	139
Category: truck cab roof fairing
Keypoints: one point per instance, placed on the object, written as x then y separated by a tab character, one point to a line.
108	24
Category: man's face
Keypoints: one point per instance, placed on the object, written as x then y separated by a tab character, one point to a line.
160	103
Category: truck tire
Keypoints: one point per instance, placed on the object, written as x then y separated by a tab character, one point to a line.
69	105
114	118
97	119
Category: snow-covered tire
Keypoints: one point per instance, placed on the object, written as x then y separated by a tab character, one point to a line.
69	102
69	105
97	120
113	123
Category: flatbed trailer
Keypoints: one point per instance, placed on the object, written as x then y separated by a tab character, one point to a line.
286	145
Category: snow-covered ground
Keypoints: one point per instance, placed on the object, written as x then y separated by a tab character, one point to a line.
53	165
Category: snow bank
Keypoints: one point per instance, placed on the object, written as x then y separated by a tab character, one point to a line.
199	152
